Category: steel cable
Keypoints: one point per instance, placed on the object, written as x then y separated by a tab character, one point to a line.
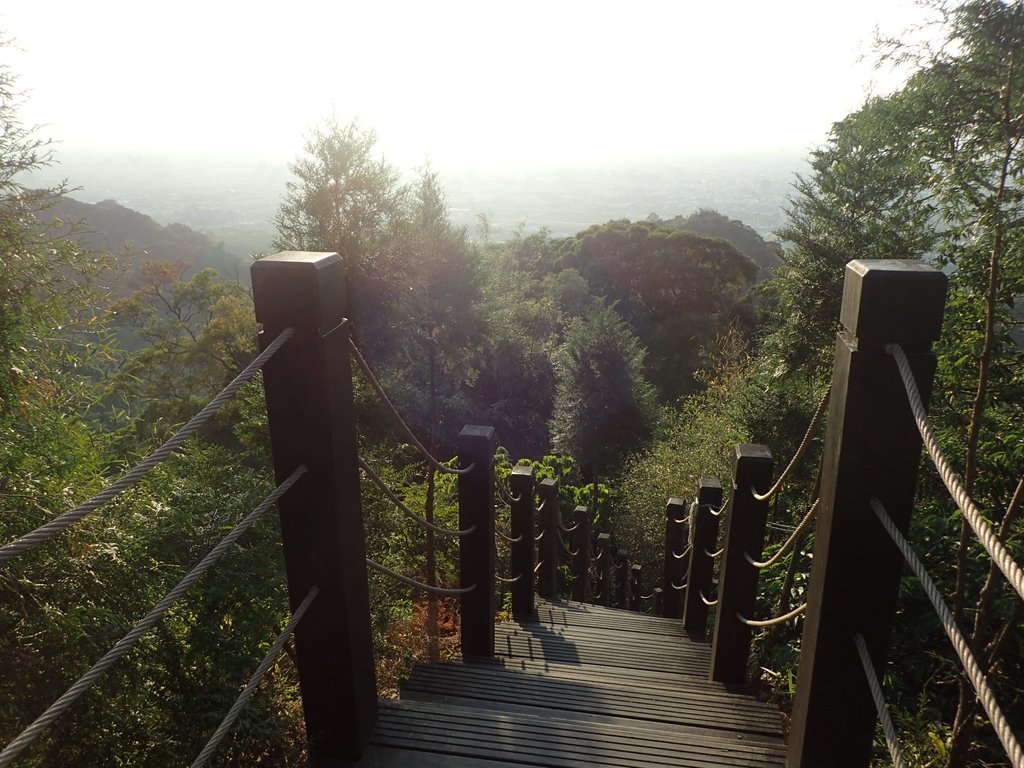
800	451
974	673
442	591
989	539
123	645
42	533
789	543
254	681
405	509
891	739
390	407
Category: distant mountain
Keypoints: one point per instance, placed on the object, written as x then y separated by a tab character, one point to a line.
743	238
110	227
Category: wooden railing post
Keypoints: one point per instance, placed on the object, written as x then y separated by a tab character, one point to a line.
737	579
676	526
703	539
548	548
622	578
636	586
524	545
604	568
475	447
872	449
583	546
308	387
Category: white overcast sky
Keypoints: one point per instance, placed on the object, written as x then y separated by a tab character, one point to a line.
459	83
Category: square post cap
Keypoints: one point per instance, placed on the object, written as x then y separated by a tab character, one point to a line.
893	300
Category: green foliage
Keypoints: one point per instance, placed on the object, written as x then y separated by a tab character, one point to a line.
676	290
693	442
604	407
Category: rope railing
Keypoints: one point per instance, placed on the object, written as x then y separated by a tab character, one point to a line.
681	555
789	543
505	580
988	537
123	645
539	536
538	565
393	498
716	553
254	681
507	537
505	494
400	422
800	451
960	645
58	524
568	528
704	599
891	739
772	622
441	591
678	587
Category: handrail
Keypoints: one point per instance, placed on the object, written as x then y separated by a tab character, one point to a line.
988	538
800	451
393	497
960	645
122	646
58	524
254	681
789	543
891	740
390	407
442	591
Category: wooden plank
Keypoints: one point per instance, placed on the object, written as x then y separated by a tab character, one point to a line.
717	713
546	741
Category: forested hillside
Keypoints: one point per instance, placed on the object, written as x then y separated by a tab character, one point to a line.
625	360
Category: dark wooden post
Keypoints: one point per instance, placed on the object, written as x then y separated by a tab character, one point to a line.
604	568
524	546
703	539
582	545
676	567
872	449
308	387
636	587
476	550
622	578
547	549
737	578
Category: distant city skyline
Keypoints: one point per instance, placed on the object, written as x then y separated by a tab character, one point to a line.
461	85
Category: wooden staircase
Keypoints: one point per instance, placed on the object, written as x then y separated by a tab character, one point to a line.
578	685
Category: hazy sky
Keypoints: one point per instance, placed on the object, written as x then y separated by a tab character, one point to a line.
460	83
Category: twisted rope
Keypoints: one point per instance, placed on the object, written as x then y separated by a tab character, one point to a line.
974	673
684	553
122	646
891	739
503	580
539	536
1003	559
800	451
772	622
506	537
390	407
538	565
679	587
505	494
405	509
254	681
713	555
709	603
42	533
790	542
417	584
